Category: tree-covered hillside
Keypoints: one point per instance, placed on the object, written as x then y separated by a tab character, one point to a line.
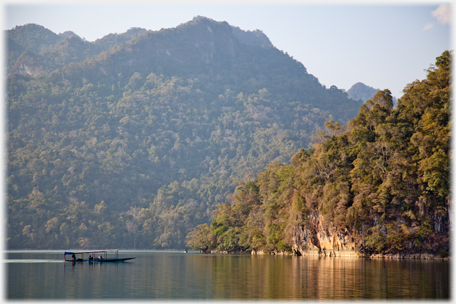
385	177
133	146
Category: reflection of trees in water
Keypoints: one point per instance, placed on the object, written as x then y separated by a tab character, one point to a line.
354	278
291	277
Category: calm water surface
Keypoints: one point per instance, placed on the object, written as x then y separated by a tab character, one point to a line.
192	276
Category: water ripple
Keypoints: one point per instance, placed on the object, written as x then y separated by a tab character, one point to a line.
33	261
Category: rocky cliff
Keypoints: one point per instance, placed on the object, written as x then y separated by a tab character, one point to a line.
324	239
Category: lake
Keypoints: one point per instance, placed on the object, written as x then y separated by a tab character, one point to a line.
175	275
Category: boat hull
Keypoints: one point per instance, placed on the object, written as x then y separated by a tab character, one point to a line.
100	261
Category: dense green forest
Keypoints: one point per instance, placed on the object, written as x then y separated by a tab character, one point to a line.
132	140
384	176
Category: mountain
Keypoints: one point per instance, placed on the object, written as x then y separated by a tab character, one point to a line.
360	91
67	34
70	49
111	40
31	37
48	51
131	141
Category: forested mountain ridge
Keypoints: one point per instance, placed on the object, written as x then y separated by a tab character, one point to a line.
111	40
49	51
380	185
134	146
33	37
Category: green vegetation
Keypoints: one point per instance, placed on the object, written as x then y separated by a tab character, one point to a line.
132	140
385	176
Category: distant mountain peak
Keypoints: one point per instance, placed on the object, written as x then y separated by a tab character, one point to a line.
67	34
256	37
200	18
28	26
360	91
33	37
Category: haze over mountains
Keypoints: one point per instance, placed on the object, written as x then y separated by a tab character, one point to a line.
360	91
131	140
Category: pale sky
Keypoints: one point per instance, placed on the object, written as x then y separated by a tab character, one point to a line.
385	45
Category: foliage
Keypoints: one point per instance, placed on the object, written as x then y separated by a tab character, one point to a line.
385	177
134	146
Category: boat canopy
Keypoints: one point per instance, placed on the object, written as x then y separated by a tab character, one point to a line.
91	251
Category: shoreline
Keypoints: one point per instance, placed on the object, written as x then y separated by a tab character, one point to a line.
348	253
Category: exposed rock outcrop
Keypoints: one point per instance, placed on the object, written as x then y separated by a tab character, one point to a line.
325	240
322	239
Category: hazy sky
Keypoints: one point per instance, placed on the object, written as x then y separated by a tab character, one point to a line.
385	46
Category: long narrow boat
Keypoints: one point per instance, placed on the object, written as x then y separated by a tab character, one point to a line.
91	256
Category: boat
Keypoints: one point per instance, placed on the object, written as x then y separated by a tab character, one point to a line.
98	256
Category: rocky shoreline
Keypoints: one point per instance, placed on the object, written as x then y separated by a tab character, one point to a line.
347	253
323	240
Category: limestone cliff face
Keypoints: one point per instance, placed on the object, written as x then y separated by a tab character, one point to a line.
320	238
323	239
